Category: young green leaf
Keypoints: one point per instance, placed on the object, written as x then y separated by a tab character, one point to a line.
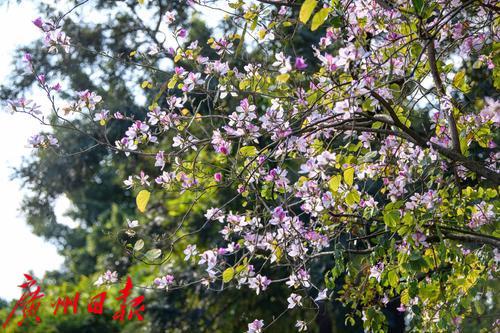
391	218
153	254
393	278
418	5
138	245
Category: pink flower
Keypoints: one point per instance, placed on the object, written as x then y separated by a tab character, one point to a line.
259	283
160	159
164	282
256	326
169	17
294	300
190	251
218	177
419	239
376	271
322	295
108	277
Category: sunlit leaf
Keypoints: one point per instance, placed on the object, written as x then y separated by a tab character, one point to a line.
349	176
248	151
334	183
319	18
306	10
142	200
228	275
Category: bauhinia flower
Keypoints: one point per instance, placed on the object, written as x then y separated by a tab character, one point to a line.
259	283
256	326
164	282
294	300
190	251
301	325
169	17
107	278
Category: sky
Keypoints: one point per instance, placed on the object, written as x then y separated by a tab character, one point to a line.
20	250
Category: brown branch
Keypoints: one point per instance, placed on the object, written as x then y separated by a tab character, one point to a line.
280	3
453	155
476	239
431	55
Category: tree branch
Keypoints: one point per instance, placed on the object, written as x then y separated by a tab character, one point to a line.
453	155
431	55
280	3
471	239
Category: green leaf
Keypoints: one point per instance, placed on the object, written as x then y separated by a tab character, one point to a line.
248	151
391	218
244	84
349	176
283	78
459	79
146	84
480	308
352	198
306	10
393	278
319	18
153	254
418	5
138	245
240	268
336	21
334	183
172	82
228	275
405	297
142	200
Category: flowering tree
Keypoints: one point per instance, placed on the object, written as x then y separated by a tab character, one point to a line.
370	156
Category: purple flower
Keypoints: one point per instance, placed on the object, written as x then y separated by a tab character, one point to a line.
56	87
27	57
41	79
300	63
182	33
38	22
